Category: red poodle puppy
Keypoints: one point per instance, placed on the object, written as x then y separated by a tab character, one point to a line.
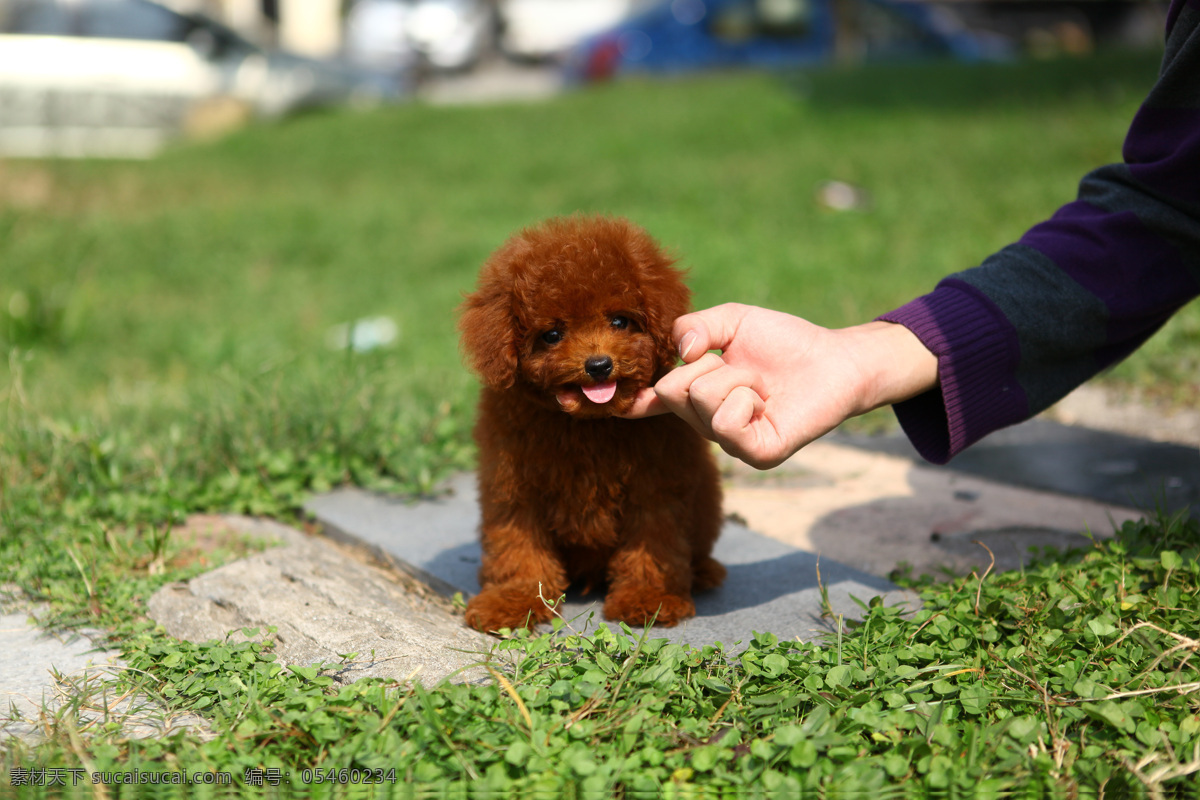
569	320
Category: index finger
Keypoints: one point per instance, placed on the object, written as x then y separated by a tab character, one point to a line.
645	404
710	329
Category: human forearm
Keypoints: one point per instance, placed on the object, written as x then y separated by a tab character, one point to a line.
894	365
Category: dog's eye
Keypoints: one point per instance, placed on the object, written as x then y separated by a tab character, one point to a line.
619	322
552	336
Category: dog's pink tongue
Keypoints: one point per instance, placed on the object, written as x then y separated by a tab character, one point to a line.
601	392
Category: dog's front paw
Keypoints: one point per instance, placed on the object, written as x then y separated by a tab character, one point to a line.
638	609
497	607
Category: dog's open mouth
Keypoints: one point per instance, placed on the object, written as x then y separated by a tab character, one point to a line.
600	393
573	397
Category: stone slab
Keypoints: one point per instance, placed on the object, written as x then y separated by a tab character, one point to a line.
325	605
771	586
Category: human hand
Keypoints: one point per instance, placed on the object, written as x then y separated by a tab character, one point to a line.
781	381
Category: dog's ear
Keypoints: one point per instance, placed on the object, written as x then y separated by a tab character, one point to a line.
487	323
665	296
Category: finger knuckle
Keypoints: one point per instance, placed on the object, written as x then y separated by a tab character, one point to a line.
701	394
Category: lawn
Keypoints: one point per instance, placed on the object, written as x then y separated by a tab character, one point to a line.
166	329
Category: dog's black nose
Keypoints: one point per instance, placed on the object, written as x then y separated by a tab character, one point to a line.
598	367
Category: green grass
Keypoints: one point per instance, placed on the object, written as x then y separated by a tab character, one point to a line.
164	325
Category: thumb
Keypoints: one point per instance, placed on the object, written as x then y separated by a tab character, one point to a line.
710	329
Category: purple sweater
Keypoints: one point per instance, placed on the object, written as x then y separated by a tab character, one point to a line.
1078	292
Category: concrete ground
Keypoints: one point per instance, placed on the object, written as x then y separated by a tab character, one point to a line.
877	512
46	676
29	661
497	81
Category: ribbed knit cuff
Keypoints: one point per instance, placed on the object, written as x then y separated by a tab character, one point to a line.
978	353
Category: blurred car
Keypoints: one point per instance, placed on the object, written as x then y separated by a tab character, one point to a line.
121	77
544	29
685	35
449	35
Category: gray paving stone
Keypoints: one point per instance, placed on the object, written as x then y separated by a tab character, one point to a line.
771	586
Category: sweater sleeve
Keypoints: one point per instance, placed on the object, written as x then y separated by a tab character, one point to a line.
1081	290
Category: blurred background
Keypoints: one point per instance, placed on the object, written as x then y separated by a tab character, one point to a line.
120	77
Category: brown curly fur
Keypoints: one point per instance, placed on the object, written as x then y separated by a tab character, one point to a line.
570	493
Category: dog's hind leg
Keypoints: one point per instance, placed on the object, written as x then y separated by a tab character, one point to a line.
707	573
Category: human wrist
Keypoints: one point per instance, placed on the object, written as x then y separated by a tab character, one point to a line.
895	365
